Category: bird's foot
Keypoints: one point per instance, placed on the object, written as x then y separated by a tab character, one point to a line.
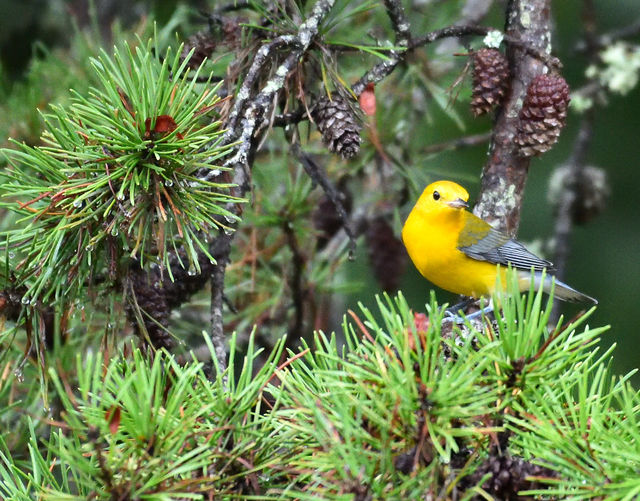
451	315
480	312
453	310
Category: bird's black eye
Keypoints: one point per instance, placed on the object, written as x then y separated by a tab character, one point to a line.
436	195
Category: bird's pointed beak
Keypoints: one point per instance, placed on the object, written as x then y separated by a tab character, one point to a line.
458	203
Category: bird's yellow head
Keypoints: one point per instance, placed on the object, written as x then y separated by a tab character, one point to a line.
443	195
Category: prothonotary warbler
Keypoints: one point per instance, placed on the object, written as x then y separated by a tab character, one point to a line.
461	253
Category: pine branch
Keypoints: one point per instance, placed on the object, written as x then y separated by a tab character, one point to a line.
221	248
402	30
399	22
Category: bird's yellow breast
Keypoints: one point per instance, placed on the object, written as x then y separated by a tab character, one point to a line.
431	239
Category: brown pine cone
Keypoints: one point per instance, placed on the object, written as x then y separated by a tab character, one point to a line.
508	476
543	114
591	191
387	255
325	217
154	295
149	305
203	45
338	124
490	80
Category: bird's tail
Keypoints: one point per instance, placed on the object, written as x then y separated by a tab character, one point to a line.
560	289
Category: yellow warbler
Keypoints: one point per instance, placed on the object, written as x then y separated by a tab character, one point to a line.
461	253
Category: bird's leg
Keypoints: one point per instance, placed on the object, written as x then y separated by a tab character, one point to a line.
452	311
482	311
451	315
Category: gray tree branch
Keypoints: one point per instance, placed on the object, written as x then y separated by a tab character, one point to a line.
248	119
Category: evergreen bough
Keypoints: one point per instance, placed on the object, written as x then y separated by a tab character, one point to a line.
402	410
118	178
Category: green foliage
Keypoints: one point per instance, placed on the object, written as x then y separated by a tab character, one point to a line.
149	429
405	408
391	408
263	255
116	177
390	393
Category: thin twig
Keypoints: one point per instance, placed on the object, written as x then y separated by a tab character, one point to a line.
318	176
297	293
460	142
551	61
285	119
448	32
402	30
399	21
384	68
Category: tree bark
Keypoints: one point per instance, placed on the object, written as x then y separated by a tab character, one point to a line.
505	172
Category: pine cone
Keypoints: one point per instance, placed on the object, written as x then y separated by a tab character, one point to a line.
149	305
508	477
156	295
591	191
338	125
387	255
232	31
325	217
203	45
490	80
543	114
186	283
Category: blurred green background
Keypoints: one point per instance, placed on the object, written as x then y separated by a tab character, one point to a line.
604	259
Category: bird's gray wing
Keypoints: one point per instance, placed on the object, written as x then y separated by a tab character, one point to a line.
480	241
